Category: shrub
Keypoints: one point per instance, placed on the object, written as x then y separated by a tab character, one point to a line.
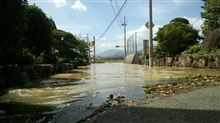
50	59
24	77
194	49
26	58
38	60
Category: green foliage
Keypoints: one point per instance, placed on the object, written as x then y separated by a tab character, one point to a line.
27	32
82	49
13	26
66	44
64	38
62	60
39	33
25	57
69	47
24	77
11	76
180	20
175	37
211	16
30	37
142	56
211	51
49	59
38	60
159	52
194	49
198	50
82	54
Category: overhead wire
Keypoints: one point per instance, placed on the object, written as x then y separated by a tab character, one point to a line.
108	27
119	24
117	8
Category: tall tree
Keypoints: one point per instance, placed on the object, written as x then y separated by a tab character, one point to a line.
39	34
180	20
176	36
65	43
211	16
13	26
83	52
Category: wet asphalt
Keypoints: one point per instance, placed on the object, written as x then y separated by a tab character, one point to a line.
200	106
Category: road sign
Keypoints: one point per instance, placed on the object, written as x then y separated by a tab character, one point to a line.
148	25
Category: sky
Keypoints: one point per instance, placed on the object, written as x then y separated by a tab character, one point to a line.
92	17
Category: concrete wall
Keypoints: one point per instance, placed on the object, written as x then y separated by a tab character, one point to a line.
133	59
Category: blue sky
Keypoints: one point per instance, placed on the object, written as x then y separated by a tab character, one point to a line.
82	17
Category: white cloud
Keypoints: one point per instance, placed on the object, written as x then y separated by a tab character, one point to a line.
60	3
78	5
196	22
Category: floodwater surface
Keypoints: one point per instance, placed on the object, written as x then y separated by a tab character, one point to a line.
72	96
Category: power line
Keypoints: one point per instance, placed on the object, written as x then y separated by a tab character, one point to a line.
113	19
117	8
115	15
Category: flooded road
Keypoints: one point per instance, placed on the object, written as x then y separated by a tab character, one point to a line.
72	96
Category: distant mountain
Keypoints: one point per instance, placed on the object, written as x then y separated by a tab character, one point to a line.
112	53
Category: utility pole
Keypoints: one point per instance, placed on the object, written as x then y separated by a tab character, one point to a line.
94	50
124	24
145	51
88	47
150	34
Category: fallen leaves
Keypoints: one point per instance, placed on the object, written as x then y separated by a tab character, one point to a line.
194	82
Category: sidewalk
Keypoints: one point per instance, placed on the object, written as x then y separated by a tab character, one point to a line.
200	106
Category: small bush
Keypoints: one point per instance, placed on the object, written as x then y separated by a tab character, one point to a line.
194	49
62	60
25	57
142	56
38	60
24	77
50	59
212	51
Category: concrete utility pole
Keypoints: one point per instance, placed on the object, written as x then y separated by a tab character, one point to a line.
94	50
124	24
145	51
150	34
88	48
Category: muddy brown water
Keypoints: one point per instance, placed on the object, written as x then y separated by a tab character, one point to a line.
72	96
